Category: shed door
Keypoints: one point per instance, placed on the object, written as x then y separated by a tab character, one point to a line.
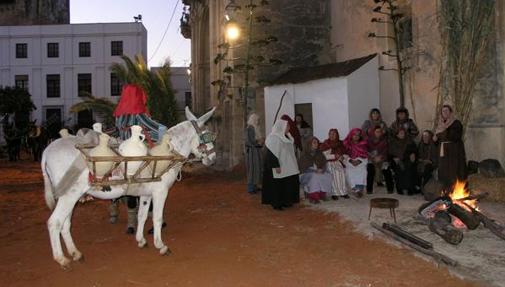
306	111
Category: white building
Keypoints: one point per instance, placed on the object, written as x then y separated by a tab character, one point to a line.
182	86
57	63
338	95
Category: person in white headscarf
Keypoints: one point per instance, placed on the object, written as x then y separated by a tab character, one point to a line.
253	145
281	186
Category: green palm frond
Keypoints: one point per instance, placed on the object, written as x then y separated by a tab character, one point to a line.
100	106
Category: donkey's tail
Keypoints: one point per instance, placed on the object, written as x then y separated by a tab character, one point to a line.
48	186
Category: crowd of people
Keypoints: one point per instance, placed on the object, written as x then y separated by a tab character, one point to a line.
394	156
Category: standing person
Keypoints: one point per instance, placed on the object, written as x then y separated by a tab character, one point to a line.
315	178
404	122
281	187
253	145
452	158
356	164
428	157
334	150
374	120
403	162
377	168
295	134
304	128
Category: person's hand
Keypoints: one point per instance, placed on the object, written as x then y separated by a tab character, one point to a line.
397	160
412	157
278	170
435	138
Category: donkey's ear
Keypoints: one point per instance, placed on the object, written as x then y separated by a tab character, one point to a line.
206	117
189	115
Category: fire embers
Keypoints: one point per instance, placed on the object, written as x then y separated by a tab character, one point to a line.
448	215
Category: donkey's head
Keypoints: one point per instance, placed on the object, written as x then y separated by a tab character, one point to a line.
191	137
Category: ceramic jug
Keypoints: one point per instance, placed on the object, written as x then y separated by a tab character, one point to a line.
102	149
134	146
164	148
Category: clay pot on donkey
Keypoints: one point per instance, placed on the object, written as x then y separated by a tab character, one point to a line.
134	146
164	148
102	149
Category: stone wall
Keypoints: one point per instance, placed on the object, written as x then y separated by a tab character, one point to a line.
34	12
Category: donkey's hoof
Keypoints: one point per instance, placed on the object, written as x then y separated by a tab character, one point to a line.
77	256
65	263
165	250
142	243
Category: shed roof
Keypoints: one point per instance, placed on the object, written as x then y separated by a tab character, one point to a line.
334	70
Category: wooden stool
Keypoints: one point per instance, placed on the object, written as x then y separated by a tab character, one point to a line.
384	202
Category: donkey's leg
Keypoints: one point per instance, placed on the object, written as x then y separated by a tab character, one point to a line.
159	197
55	223
69	242
144	203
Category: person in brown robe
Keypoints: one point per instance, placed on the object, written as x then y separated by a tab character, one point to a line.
452	158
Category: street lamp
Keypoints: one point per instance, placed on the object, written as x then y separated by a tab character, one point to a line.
232	30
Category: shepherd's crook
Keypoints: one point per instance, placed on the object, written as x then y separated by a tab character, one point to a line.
280	105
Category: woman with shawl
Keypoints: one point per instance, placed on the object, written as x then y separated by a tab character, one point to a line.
374	120
334	151
304	128
452	158
253	145
281	186
315	179
377	168
403	161
356	148
404	122
428	157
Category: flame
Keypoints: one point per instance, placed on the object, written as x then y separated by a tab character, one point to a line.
459	192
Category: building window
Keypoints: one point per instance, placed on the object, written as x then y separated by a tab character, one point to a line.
21	50
188	100
116	48
53	86
53	120
115	85
405	33
21	81
84	49
83	85
53	50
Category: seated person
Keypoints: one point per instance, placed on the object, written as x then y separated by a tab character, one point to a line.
428	157
377	168
403	161
315	179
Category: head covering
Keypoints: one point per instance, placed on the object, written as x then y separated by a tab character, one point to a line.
303	124
444	124
293	130
402	110
277	136
359	149
336	146
375	110
253	121
133	101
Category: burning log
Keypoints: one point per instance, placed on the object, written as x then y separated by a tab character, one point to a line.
436	255
407	235
467	217
490	224
441	224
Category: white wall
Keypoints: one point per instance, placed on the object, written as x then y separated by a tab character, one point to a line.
363	90
329	104
37	65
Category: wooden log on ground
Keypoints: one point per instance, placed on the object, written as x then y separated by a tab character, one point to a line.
490	224
407	235
436	255
467	217
441	225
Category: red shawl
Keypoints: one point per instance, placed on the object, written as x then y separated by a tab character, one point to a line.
359	149
378	144
133	101
293	130
336	146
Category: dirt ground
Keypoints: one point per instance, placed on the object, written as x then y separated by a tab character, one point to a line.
219	236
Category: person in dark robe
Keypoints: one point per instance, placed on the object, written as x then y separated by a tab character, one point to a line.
403	163
374	120
452	157
316	179
377	168
253	148
281	184
304	128
428	157
403	122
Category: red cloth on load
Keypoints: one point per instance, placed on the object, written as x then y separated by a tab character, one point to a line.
133	101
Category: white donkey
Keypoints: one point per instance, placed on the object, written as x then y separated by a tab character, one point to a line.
66	180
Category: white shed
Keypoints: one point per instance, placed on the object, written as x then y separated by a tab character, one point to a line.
338	95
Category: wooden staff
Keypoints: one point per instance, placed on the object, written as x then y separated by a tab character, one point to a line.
280	105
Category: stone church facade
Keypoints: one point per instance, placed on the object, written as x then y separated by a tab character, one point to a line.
328	31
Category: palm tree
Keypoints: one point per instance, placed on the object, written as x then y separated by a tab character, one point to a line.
100	106
157	84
